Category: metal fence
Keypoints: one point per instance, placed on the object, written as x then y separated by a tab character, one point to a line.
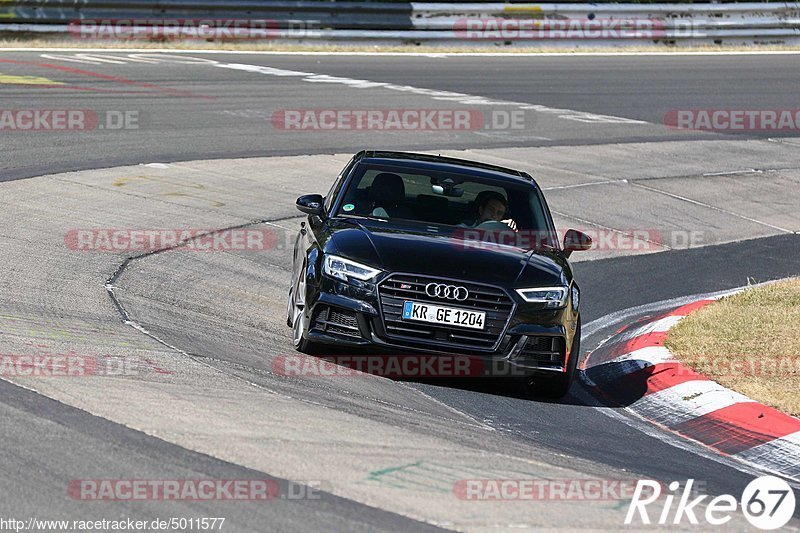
447	23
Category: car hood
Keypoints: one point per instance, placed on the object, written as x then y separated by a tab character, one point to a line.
441	251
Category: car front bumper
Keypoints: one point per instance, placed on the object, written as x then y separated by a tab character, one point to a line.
533	340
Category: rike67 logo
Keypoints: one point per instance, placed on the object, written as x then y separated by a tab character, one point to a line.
767	502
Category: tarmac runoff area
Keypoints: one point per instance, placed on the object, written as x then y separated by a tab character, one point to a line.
204	327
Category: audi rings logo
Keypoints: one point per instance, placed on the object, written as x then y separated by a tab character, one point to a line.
449	292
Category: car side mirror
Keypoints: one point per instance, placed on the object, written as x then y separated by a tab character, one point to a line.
310	204
576	241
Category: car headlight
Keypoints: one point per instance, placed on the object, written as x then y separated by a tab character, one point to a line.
551	297
341	268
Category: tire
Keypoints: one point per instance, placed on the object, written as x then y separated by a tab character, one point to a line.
289	306
297	318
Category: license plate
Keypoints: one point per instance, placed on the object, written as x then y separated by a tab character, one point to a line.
443	315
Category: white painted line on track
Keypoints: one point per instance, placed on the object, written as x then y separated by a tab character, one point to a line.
607	228
618	317
449	96
778	460
311	77
435	55
587	184
657	326
644	357
713	207
661	435
98	59
780	455
686	401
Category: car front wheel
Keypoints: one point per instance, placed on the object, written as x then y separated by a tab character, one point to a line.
297	318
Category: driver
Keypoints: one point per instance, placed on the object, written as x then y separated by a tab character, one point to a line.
492	206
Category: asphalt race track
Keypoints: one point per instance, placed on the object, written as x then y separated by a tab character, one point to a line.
190	111
207	330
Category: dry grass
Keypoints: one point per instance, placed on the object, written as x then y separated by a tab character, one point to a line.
749	342
275	46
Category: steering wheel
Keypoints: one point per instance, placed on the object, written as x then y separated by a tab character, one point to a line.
493	225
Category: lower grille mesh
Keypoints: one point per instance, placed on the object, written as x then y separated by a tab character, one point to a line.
338	321
547	351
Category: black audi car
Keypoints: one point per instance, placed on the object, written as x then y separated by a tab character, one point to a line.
423	254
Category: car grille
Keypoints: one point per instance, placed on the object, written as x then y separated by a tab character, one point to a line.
492	300
338	321
544	351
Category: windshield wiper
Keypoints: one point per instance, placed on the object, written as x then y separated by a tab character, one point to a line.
365	217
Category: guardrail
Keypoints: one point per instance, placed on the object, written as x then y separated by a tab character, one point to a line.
476	23
333	15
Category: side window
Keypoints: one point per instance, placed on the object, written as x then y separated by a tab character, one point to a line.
337	186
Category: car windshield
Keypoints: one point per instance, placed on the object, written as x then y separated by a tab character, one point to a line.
445	199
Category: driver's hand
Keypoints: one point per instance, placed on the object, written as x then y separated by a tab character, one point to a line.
510	223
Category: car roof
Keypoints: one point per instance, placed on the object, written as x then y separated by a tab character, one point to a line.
445	164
